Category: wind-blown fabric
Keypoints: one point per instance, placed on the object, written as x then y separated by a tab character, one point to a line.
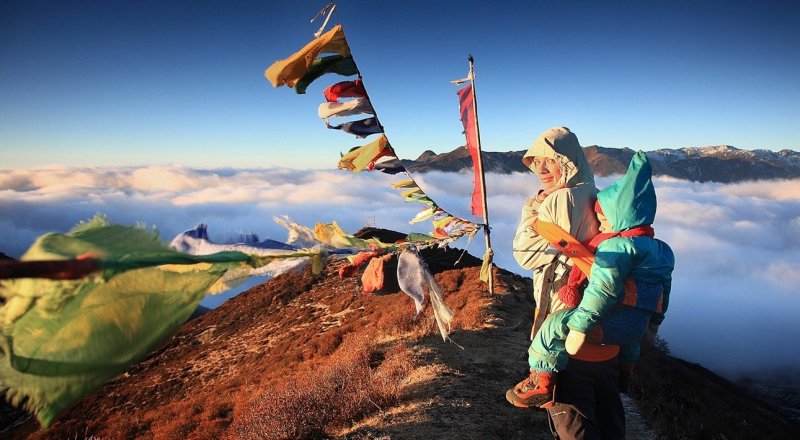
329	64
279	258
391	166
407	183
469	120
288	71
303	67
63	338
333	235
415	279
356	106
359	158
299	235
361	128
345	89
373	276
356	261
425	214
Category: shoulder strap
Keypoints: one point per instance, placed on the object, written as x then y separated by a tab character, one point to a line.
580	255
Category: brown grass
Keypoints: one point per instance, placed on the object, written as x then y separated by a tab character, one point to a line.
356	380
275	338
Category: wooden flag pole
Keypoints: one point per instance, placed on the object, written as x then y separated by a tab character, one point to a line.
486	228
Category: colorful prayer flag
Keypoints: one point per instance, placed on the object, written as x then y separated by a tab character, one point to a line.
289	70
359	158
341	109
61	339
330	64
345	89
467	107
360	129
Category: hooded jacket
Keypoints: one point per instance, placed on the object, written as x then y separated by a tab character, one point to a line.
627	203
569	207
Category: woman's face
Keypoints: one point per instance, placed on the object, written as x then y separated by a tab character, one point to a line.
549	172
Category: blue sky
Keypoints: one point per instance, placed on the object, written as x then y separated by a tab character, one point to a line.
181	82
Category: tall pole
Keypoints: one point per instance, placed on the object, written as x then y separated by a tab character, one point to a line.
483	178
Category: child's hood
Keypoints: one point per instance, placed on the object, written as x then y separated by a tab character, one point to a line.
631	200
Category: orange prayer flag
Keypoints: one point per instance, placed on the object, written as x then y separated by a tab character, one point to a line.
288	71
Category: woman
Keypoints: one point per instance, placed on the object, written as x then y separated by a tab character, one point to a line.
586	403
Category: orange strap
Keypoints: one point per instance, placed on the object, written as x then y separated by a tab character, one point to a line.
568	245
596	352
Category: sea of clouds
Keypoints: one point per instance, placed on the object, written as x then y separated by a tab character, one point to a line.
735	300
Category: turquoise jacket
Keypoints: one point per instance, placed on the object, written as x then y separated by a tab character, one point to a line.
628	202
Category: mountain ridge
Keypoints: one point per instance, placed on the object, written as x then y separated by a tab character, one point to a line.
722	164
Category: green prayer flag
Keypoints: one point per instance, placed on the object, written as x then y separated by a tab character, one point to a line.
342	65
60	339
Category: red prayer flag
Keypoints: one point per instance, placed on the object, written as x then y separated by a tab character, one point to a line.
470	130
345	89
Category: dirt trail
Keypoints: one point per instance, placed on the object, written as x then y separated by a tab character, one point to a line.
460	392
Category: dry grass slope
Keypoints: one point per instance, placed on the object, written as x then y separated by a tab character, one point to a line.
311	357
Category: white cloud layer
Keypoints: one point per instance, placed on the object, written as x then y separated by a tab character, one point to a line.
735	296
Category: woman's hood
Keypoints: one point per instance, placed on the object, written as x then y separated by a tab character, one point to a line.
562	145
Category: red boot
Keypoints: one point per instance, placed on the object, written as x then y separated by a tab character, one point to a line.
536	390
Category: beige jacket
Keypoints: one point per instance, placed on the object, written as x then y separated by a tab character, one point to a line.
570	207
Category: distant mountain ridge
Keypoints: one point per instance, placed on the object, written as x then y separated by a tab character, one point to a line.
724	163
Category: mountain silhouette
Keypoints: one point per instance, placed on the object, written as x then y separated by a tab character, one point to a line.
724	164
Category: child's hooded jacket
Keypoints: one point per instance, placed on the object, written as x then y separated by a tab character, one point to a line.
629	202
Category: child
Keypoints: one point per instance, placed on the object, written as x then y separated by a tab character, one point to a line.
628	288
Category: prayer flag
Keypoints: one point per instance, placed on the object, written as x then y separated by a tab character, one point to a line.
359	158
330	64
341	109
467	107
345	89
61	339
360	129
288	71
408	183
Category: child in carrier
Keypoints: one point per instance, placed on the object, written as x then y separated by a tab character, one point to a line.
627	291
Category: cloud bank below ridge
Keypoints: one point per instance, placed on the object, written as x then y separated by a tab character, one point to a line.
737	246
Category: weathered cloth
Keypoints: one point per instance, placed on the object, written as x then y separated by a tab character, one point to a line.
63	338
288	71
415	279
345	89
330	64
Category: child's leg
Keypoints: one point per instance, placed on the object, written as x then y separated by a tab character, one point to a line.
547	352
546	356
629	353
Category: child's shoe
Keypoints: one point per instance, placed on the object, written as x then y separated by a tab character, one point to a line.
536	390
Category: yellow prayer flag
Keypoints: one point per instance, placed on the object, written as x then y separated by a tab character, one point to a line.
424	214
410	192
443	222
359	158
288	71
408	183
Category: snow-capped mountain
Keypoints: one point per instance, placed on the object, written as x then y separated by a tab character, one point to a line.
722	163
